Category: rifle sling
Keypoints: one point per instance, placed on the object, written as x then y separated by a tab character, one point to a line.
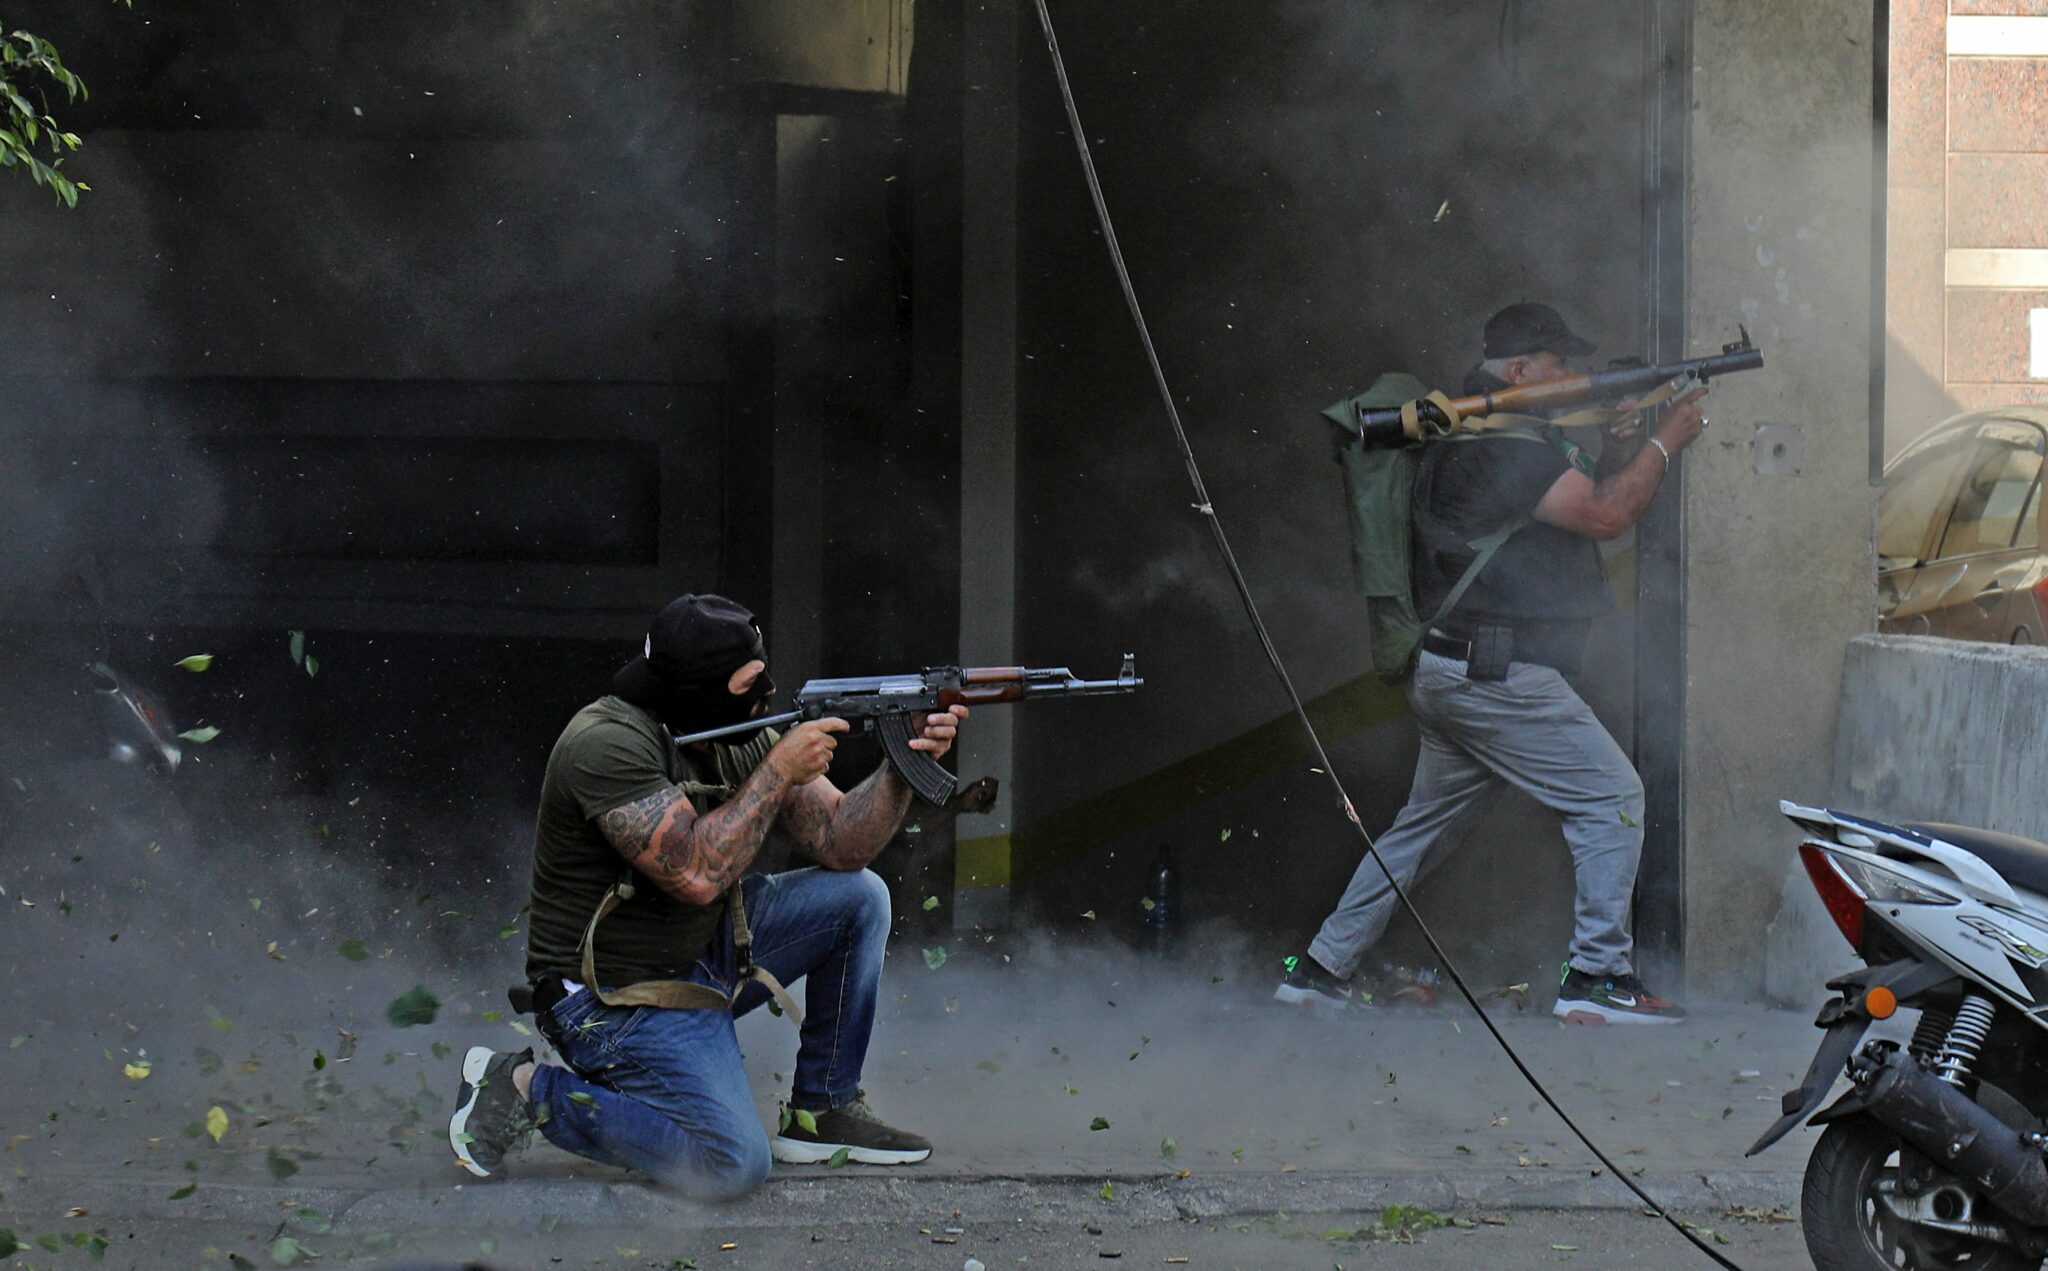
682	995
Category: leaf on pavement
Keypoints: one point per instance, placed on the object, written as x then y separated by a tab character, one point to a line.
1167	1147
353	950
286	1251
414	1006
184	1191
197	662
935	957
137	1071
280	1166
220	1022
298	647
839	1158
312	665
200	735
931	903
1099	1123
216	1122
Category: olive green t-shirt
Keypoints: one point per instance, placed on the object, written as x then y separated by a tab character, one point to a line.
612	754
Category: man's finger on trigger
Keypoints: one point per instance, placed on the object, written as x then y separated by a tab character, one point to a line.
833	724
958	710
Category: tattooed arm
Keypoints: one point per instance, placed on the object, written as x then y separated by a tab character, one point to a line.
696	858
846	831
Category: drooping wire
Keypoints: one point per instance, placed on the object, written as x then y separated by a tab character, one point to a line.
1207	508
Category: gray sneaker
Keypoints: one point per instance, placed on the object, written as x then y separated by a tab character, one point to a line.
854	1129
492	1119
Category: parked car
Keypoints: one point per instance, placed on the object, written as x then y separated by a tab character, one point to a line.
1960	544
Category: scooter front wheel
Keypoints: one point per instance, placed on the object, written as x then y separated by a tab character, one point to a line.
1849	1210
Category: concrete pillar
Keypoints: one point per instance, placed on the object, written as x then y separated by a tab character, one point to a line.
988	439
1779	572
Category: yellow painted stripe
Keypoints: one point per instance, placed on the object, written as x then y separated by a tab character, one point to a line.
982	862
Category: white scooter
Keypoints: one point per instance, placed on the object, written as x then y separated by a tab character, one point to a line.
1937	1156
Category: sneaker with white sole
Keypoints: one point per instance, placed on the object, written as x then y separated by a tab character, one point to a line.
1611	999
1309	984
854	1129
492	1119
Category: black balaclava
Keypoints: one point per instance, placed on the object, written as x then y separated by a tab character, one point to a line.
685	667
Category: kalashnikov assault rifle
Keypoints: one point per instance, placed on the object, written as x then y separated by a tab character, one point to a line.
1440	416
893	708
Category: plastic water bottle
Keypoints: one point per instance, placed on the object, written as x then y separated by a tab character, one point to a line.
1162	904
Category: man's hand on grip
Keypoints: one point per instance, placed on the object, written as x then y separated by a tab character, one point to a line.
805	751
1682	422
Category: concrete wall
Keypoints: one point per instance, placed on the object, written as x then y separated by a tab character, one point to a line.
1779	569
1931	730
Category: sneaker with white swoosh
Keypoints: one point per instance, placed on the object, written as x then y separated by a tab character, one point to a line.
1611	999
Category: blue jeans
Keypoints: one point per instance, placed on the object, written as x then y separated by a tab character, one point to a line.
665	1091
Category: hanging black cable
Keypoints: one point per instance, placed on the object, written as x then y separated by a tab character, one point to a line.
1207	508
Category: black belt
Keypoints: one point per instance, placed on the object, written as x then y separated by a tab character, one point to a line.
1461	651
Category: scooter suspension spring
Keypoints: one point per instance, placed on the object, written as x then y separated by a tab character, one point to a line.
1965	1040
1931	1032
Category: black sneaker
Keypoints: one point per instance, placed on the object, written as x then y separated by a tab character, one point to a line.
854	1129
1308	983
492	1119
1611	999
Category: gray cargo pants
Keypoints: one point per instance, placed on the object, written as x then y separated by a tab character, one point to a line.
1531	730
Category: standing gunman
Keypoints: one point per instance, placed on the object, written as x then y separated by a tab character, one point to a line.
648	937
1489	689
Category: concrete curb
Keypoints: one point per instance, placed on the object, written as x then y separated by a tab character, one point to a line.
799	1201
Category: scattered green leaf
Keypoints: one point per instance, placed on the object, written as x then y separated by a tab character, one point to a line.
319	1060
440	1050
1108	1191
280	1166
9	1242
413	1007
220	1022
1099	1123
935	957
1167	1148
216	1122
805	1118
353	950
1627	820
312	665
286	1251
298	648
989	1065
197	662
838	1158
200	736
583	1097
184	1191
930	903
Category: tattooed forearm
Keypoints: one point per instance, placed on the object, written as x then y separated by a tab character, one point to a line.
848	832
696	858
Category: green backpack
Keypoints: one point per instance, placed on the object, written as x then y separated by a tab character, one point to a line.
1379	485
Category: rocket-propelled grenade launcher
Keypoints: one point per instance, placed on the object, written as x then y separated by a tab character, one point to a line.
1440	416
893	708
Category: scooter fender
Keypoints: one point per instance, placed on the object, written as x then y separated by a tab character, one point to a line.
1846	1021
1829	1062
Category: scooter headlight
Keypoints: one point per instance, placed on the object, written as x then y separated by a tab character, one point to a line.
1880	884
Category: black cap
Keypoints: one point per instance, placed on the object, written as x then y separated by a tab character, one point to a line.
1532	328
692	640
